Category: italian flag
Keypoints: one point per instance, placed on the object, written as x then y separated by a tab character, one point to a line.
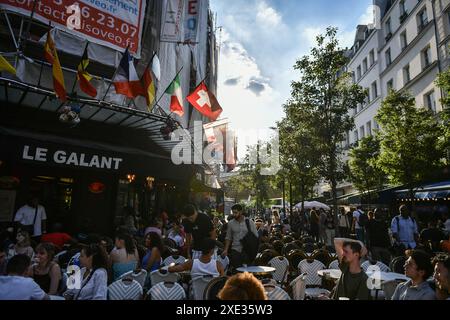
176	101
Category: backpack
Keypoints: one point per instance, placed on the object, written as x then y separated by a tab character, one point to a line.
363	220
250	243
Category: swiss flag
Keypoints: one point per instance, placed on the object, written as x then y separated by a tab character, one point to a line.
205	102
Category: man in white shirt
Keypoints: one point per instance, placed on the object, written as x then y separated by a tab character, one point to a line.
359	230
404	229
33	214
16	285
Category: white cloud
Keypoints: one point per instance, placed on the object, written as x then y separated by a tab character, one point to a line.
268	15
367	17
309	34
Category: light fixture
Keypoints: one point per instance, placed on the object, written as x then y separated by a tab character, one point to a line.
131	178
97	187
149	182
166	131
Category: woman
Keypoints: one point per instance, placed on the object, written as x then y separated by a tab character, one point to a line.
314	223
45	272
23	245
94	277
152	259
124	257
243	286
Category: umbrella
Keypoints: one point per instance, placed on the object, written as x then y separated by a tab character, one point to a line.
313	204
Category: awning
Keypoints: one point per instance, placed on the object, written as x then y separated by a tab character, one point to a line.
438	190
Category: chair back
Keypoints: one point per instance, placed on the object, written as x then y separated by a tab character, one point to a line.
295	256
199	284
289	247
397	264
310	267
281	264
174	259
367	264
276	293
125	289
309	247
389	288
139	275
334	264
322	255
158	276
278	246
167	291
213	288
298	286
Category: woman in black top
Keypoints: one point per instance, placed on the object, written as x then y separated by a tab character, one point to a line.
45	272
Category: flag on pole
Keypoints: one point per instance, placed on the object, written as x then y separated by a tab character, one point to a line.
205	102
156	67
51	56
149	86
84	77
176	102
126	80
6	66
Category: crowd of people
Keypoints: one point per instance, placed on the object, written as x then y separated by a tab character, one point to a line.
35	264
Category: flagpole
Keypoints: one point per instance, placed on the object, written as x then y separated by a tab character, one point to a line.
82	66
114	75
23	38
148	65
156	104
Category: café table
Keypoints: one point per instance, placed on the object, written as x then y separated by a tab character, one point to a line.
257	271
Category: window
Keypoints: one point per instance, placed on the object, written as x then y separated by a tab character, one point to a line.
361	132
430	101
422	19
364	65
390	85
426	57
372	57
353	77
347	139
367	99
388	30
358	72
369	128
402	8
374	90
355	136
375	125
388	57
403	40
406	75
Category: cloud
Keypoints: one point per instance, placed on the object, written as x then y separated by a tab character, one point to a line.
367	17
268	15
309	34
256	86
232	81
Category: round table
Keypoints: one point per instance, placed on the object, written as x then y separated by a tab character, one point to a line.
382	276
334	274
257	270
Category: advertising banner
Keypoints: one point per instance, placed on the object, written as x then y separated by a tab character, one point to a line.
112	23
172	21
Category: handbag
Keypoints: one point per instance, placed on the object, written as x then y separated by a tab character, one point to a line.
250	243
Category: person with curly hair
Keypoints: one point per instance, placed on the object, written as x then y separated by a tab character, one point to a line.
243	286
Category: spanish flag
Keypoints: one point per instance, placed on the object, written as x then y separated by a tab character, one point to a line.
6	66
58	79
84	77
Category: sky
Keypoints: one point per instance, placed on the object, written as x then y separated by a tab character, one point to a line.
260	41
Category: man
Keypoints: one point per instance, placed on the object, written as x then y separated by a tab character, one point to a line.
432	236
404	229
237	229
418	267
344	223
197	226
323	225
357	226
378	238
442	276
16	285
263	233
353	282
32	218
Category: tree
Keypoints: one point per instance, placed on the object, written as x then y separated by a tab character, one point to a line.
298	150
443	81
365	173
409	151
326	93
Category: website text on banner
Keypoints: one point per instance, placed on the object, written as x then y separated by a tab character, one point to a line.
113	23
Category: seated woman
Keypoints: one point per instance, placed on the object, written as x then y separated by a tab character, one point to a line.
124	257
45	272
94	277
204	266
152	259
23	245
243	286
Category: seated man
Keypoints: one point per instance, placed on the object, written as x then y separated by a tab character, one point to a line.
442	276
203	266
353	282
418	267
16	285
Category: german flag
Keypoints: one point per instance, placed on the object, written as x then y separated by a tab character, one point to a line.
58	78
149	87
84	77
6	66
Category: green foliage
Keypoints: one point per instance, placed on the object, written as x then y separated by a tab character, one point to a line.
365	173
443	81
409	151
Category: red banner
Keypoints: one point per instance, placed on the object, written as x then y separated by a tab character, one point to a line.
113	23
